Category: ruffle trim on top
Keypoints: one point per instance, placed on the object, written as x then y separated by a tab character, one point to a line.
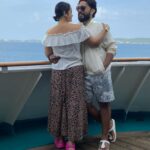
62	39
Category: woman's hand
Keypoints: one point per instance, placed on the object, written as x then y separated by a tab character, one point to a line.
105	27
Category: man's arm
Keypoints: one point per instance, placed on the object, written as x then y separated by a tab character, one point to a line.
51	57
109	44
108	60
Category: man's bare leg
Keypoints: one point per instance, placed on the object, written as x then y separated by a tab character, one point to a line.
105	112
95	113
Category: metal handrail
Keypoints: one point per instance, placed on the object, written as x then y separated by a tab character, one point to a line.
130	59
31	63
23	63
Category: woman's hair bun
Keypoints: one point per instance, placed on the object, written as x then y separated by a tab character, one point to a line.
55	18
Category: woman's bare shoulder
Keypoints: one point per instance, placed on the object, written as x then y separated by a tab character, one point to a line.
52	30
69	27
75	26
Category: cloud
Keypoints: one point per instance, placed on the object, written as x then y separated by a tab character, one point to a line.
36	16
20	25
103	14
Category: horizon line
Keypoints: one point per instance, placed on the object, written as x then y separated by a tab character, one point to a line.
122	38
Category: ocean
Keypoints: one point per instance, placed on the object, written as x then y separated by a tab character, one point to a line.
11	51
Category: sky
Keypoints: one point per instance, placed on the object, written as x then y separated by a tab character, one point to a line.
30	19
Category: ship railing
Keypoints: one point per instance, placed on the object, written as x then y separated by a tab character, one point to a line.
44	65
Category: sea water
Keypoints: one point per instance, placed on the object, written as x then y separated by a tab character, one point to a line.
34	51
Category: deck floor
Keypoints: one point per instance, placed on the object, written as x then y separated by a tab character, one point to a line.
125	141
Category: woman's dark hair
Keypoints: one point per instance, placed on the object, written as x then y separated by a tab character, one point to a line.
92	4
61	9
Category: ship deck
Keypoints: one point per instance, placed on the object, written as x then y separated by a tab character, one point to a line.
128	140
22	105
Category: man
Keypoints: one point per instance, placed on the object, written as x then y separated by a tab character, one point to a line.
98	81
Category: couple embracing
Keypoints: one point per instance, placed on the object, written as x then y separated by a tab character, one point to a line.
81	55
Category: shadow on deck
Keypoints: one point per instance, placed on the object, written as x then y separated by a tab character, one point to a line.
125	141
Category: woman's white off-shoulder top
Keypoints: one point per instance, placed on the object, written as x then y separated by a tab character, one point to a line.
67	46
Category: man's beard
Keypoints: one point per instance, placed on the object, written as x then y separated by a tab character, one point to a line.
83	17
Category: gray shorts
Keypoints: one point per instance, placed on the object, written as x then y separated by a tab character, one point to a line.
99	88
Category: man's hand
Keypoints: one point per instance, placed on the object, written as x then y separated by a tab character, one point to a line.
53	59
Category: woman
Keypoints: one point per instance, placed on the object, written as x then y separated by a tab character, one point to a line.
67	111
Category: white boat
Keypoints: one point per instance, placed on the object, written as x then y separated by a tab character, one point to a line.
25	88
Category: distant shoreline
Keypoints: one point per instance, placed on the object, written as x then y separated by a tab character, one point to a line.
119	41
133	40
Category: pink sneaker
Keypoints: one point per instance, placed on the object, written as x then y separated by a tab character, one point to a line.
59	143
70	146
